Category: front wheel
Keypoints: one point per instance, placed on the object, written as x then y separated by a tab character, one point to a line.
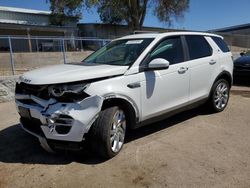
108	132
219	96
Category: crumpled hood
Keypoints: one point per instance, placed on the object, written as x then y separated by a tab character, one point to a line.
70	73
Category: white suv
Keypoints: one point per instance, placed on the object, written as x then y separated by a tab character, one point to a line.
132	81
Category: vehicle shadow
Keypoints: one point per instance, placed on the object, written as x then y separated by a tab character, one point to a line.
166	123
17	146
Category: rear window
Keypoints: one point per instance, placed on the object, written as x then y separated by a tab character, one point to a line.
221	43
198	47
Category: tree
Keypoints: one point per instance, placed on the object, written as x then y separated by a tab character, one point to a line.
133	12
62	11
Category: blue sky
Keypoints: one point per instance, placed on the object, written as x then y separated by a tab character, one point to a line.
202	14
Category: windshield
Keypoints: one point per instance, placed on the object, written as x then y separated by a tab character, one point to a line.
119	52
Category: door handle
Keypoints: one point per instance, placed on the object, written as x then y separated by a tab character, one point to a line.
182	70
134	85
212	62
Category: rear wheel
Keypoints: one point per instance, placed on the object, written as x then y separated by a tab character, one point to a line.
108	132
219	95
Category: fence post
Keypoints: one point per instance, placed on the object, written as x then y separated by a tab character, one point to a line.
81	45
64	55
37	48
231	42
248	43
11	57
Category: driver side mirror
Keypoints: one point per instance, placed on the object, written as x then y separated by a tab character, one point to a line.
158	64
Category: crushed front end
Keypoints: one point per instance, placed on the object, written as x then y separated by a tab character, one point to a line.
56	114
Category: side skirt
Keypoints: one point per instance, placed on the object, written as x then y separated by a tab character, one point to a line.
171	113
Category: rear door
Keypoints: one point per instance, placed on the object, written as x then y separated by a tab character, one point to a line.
201	63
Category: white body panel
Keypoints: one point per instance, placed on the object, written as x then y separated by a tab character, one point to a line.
164	90
117	87
203	72
70	73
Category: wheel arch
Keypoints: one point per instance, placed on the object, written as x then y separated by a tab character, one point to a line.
225	75
128	106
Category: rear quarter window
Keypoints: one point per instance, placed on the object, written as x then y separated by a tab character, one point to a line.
221	44
198	47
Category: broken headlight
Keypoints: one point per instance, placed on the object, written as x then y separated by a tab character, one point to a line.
61	90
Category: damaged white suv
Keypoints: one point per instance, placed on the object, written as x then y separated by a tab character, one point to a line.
132	81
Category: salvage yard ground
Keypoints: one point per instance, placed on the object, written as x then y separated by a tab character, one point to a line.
192	149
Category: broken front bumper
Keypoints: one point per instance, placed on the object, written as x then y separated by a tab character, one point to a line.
50	119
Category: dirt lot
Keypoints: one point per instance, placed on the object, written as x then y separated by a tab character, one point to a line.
192	149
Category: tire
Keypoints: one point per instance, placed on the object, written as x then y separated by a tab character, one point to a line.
108	132
219	96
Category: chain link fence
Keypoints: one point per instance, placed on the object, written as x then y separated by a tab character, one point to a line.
21	54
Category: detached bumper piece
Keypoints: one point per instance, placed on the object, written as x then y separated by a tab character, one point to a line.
55	120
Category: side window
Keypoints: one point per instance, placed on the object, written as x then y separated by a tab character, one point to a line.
198	47
169	49
221	43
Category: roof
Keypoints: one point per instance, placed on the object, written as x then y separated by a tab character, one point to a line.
232	28
121	25
23	10
154	35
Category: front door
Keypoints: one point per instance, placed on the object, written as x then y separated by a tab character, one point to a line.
168	89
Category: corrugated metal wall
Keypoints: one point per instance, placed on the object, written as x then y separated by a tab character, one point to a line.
24	18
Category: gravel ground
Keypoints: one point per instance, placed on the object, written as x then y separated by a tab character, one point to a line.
192	149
